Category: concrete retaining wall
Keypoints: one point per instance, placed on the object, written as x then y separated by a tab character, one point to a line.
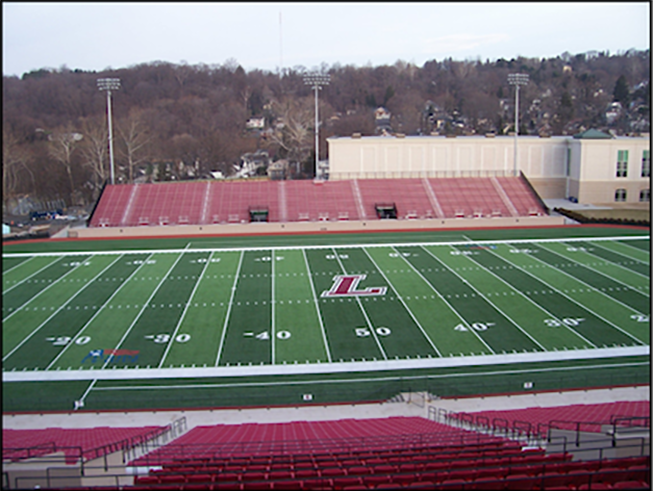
311	227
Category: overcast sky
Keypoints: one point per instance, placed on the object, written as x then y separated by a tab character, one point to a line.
95	36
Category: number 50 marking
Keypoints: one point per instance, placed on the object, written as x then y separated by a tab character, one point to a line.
362	332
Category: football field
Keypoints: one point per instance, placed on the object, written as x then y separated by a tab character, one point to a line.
202	311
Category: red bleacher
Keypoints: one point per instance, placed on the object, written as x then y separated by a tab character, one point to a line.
577	417
313	201
199	202
521	196
392	453
74	443
111	207
349	454
471	197
230	202
165	204
409	196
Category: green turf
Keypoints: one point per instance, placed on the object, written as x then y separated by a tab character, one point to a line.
324	389
226	306
282	240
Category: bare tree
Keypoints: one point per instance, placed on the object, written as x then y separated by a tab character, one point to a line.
293	131
94	150
62	145
13	157
134	139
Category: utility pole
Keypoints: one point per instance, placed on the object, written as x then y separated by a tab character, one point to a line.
517	79
109	84
316	80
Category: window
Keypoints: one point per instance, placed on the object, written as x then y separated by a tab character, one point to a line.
645	195
622	163
620	195
646	164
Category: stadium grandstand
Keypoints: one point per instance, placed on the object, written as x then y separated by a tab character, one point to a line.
459	335
205	203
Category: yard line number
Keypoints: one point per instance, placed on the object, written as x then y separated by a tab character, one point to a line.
477	326
164	338
64	340
567	321
265	335
362	332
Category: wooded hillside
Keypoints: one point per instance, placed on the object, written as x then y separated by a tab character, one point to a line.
184	121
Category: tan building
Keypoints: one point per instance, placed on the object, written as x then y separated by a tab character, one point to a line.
588	167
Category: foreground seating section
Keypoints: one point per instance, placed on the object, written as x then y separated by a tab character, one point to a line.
208	202
318	436
74	443
480	466
582	417
501	472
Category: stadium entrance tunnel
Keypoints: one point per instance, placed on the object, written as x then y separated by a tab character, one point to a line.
386	211
259	214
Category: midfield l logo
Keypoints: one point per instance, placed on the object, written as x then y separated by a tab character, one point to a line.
345	286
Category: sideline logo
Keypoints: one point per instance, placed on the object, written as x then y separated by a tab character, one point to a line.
112	356
345	286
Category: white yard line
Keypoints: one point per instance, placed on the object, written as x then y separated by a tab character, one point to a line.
412	316
367	379
576	302
47	288
528	298
646	252
486	299
86	285
19	265
631	258
272	313
600	272
144	308
360	305
5	290
589	287
315	368
316	302
231	301
349	246
80	403
72	341
457	314
183	314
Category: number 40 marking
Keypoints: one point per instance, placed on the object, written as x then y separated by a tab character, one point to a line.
477	326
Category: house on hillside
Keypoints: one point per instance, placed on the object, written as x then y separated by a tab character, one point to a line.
255	123
382	120
251	162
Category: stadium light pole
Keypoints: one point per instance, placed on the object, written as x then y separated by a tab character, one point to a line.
316	80
517	79
109	84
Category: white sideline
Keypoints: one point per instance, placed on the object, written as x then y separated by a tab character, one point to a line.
338	246
316	368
